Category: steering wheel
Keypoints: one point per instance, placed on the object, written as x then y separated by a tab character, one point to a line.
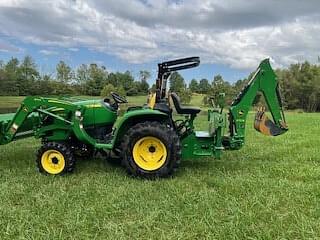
117	98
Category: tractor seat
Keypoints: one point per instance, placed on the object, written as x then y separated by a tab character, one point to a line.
181	109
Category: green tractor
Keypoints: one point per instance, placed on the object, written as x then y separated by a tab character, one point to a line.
147	139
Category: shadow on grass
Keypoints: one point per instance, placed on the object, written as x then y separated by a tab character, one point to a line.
206	164
197	166
98	164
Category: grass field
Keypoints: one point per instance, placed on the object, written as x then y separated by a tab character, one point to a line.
267	190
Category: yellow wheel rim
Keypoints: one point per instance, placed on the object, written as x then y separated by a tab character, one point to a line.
53	161
149	153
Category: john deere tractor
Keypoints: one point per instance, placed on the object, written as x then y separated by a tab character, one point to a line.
147	139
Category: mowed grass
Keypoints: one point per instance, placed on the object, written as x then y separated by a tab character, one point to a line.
10	101
267	190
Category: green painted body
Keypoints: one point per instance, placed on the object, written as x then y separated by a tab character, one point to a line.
206	143
69	119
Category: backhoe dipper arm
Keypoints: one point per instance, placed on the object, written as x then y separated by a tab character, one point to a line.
265	81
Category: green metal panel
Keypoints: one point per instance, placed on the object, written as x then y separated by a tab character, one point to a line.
207	143
128	119
135	116
96	113
103	116
195	147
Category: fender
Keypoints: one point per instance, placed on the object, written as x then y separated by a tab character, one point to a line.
130	118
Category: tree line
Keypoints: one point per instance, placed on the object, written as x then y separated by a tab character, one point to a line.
23	78
300	83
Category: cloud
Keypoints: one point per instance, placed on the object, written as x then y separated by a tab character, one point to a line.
73	49
235	33
209	14
48	52
7	47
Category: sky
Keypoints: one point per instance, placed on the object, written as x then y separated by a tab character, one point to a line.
231	37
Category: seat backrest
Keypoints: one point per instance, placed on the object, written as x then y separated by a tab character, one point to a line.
176	102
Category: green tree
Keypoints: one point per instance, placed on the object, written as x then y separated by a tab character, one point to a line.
185	96
4	84
121	79
126	80
220	86
82	77
177	83
194	86
11	77
120	90
204	86
64	72
107	90
134	90
300	86
45	86
83	74
98	79
28	75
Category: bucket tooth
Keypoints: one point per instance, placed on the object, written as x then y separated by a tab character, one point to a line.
265	126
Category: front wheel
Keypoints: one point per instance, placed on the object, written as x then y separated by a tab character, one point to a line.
151	150
55	158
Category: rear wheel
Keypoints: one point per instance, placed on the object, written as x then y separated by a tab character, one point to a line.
55	158
151	150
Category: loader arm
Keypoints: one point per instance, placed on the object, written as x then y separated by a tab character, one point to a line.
264	81
32	105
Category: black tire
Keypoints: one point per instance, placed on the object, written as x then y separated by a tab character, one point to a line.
57	148
157	130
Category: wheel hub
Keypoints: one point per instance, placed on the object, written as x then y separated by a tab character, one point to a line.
152	149
149	153
53	161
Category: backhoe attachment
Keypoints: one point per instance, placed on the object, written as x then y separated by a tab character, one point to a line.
264	81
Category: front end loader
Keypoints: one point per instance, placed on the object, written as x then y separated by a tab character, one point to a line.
148	140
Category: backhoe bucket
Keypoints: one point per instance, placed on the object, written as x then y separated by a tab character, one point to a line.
267	127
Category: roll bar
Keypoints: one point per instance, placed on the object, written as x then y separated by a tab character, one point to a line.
165	69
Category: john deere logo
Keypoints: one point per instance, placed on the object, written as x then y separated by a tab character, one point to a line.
241	113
